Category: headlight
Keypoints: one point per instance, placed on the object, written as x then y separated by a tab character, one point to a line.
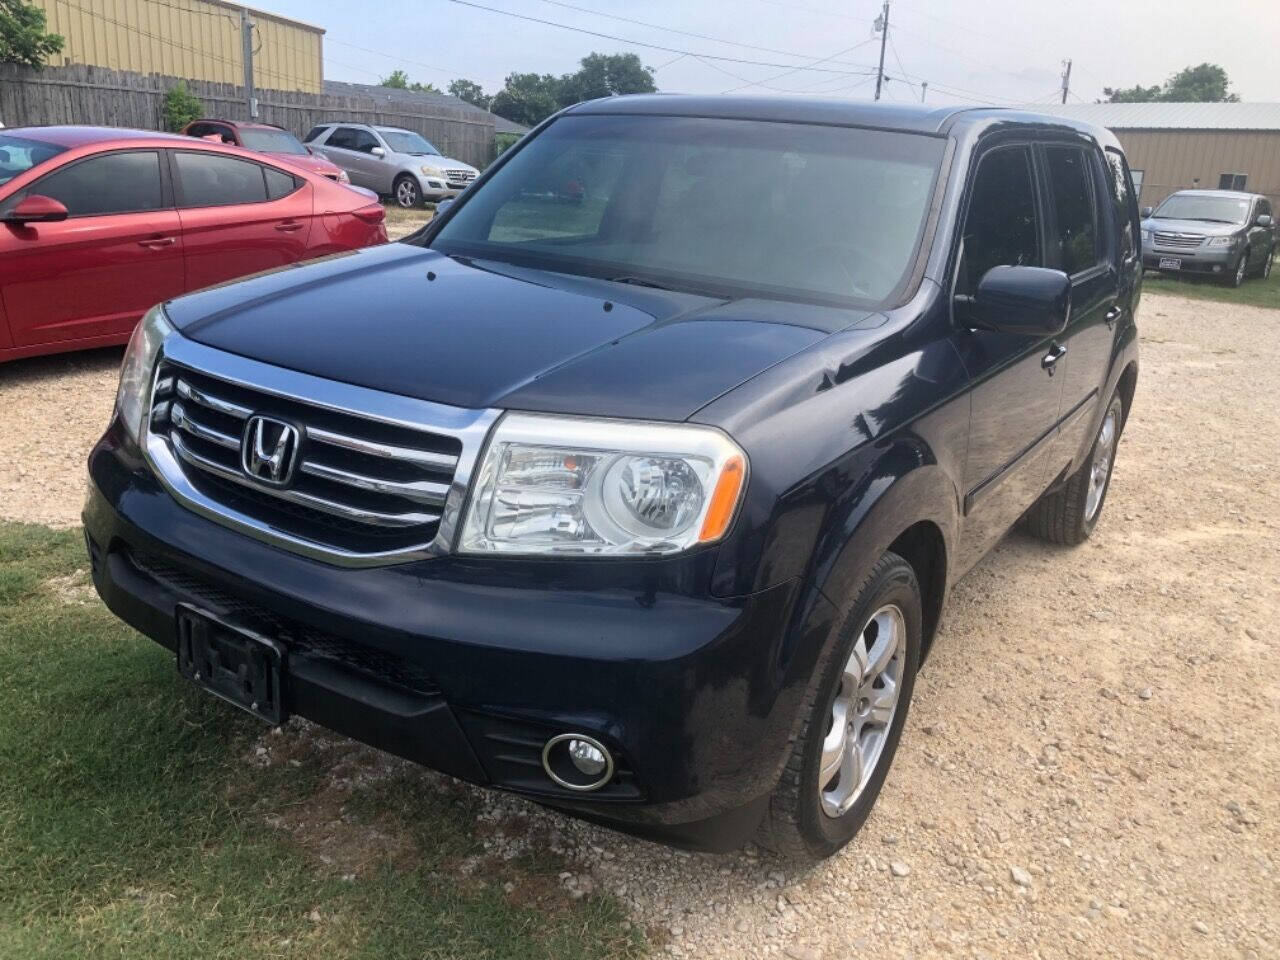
1223	241
433	171
133	398
566	485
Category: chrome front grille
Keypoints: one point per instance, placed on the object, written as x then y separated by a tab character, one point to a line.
460	176
1183	240
367	484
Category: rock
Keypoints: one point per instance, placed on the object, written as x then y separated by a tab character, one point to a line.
803	953
1199	926
899	869
314	916
1020	876
1145	693
889	839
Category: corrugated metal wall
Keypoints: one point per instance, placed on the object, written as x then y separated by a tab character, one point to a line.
1173	159
196	39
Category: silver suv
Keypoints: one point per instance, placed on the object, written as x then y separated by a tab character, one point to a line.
392	161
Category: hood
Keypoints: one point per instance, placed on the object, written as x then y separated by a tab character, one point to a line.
408	320
1201	228
310	163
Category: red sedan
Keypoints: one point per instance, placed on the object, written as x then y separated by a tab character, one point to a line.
268	139
99	224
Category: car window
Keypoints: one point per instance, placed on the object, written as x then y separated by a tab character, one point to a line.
1264	208
18	155
1070	182
270	140
1123	200
127	182
211	180
363	141
342	137
279	183
1002	227
314	133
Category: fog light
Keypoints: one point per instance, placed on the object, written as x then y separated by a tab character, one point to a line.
1217	268
577	762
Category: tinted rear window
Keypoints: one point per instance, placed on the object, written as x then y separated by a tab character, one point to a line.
209	180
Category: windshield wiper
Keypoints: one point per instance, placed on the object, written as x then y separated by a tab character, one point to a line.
1204	219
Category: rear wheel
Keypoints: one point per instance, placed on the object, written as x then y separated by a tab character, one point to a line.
853	720
1069	514
406	192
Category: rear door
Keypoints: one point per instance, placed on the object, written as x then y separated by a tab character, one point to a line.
1015	398
349	148
91	276
237	216
1084	245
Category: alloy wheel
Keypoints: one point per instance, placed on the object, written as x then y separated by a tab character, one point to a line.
1242	268
407	193
1100	471
863	711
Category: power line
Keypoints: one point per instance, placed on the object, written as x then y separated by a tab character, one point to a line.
651	46
786	73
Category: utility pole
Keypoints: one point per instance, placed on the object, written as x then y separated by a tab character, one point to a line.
246	54
924	88
882	24
1066	79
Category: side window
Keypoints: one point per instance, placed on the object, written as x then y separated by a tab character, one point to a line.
212	180
1264	208
1232	181
314	133
1077	230
112	183
199	130
1001	227
343	137
364	141
279	183
1124	201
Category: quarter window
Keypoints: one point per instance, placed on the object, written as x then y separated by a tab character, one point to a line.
1001	227
212	180
279	183
1232	181
1077	228
112	183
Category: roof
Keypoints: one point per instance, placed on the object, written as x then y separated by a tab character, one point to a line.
1228	194
1172	116
78	136
254	11
503	125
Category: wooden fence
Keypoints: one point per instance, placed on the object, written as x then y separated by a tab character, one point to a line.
78	94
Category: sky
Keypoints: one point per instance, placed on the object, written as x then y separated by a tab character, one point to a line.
967	51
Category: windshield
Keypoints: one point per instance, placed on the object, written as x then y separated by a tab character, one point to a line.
726	207
18	155
404	141
270	141
1212	209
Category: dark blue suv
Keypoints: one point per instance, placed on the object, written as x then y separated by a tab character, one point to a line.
635	483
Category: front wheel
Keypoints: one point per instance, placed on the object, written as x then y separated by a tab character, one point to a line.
853	720
1069	514
1264	268
406	192
1237	278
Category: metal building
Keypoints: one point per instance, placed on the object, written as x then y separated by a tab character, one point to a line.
1179	146
197	39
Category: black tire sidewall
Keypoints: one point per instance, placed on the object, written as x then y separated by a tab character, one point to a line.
1238	276
895	583
395	193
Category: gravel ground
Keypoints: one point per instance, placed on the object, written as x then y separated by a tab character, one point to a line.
1091	763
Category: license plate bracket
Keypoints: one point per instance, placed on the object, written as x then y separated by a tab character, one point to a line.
1170	263
237	665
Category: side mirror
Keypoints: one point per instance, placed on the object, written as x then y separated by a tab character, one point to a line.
1147	212
378	152
1031	301
36	208
444	205
1264	220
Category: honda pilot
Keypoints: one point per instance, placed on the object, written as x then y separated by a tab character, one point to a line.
643	506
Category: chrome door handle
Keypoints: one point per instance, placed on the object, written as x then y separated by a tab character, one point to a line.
1114	314
157	243
1050	359
288	226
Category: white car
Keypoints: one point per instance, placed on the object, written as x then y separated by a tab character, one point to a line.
392	161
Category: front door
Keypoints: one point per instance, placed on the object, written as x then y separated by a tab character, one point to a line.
91	276
1016	393
238	217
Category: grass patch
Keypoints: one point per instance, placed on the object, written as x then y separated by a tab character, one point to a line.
402	222
1254	292
141	818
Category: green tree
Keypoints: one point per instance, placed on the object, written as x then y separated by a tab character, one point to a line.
399	80
1206	83
180	107
471	92
22	34
527	98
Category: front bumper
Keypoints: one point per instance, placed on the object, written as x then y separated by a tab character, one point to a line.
469	665
1201	259
440	188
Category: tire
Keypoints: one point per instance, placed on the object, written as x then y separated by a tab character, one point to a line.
1264	268
1069	514
406	192
803	821
1241	270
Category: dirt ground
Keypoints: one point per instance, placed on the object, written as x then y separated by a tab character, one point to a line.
1091	766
